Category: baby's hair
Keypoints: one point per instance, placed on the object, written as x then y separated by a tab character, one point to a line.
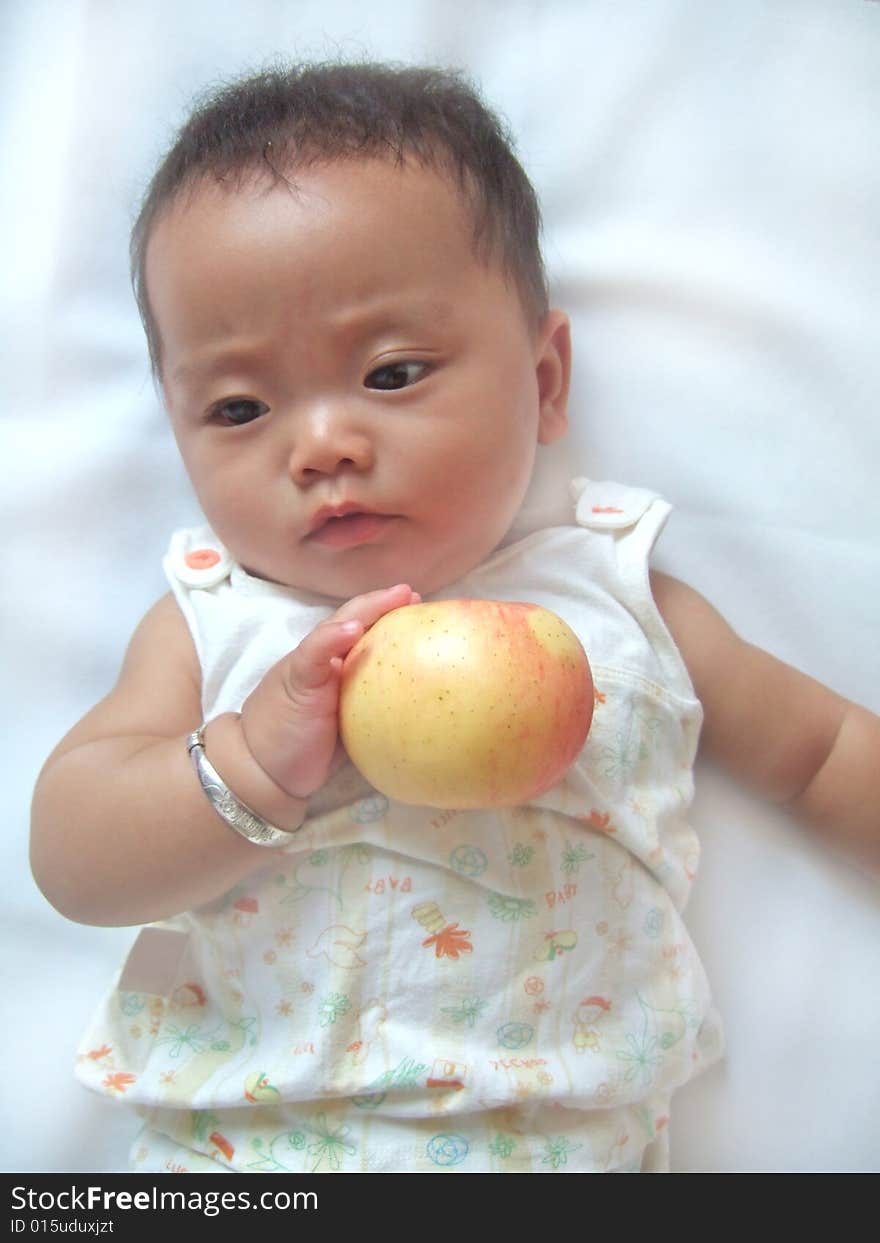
286	118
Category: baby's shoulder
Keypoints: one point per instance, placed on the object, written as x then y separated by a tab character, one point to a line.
162	641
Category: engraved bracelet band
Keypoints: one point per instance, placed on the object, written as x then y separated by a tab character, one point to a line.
236	814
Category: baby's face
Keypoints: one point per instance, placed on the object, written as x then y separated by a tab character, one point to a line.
356	395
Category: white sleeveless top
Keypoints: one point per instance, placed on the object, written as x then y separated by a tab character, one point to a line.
408	989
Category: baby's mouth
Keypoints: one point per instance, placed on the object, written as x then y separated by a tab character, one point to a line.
349	528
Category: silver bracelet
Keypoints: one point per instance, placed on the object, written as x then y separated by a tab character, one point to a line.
236	814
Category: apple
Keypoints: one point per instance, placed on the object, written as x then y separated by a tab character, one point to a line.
465	703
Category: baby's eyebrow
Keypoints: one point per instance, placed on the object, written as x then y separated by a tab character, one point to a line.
202	369
391	315
349	325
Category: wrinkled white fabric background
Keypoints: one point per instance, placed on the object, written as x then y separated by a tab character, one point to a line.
711	186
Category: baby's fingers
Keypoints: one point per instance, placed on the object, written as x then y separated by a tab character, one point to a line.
368	608
319	657
290	718
321	653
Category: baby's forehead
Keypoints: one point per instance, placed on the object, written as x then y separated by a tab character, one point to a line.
340	175
358	197
345	250
401	208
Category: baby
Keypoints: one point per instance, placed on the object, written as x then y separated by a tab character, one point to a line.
340	278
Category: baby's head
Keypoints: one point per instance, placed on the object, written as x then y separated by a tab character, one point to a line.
340	276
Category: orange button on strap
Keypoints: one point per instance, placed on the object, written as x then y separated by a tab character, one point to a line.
202	558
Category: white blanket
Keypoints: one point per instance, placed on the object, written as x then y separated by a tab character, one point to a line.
711	183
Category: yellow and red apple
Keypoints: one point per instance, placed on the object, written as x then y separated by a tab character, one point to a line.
466	703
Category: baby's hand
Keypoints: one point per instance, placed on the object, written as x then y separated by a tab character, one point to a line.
290	721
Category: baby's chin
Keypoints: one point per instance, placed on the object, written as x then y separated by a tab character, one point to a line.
339	584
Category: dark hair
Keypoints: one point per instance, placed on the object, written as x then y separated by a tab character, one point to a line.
285	118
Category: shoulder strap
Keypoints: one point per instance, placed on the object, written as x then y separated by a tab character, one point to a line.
633	519
609	506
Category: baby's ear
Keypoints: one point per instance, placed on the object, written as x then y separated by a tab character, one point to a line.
553	370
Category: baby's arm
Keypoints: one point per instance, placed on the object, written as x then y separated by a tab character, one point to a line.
779	731
122	832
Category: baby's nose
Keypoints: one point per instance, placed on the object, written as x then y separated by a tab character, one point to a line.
328	441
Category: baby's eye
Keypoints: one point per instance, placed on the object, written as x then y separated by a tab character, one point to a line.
395	375
238	411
